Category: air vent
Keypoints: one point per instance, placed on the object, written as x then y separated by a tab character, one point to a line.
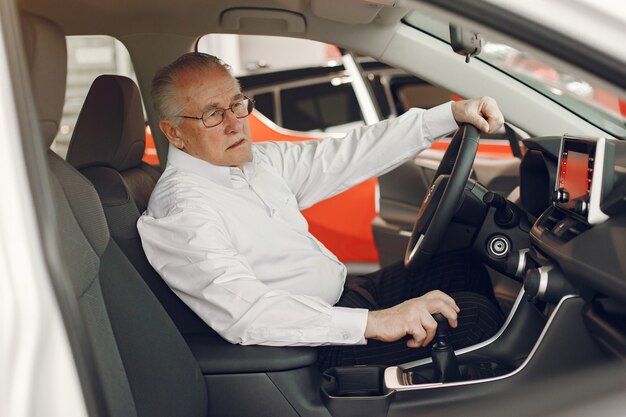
552	218
562	225
573	231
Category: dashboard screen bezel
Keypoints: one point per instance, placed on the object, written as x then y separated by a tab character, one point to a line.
596	149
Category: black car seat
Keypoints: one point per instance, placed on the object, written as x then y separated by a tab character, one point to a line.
110	133
107	147
144	365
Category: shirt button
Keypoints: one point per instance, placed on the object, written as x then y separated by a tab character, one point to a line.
272	212
345	336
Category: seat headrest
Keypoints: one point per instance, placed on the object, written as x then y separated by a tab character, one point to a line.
110	129
46	55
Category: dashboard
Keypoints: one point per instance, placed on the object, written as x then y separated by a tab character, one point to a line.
574	190
575	187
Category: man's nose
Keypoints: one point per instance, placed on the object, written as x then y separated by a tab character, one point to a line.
230	120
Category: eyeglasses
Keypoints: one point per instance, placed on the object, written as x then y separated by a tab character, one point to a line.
240	108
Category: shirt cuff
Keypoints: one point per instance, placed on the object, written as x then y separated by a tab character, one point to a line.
350	325
439	121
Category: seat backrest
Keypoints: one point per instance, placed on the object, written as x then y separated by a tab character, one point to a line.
106	147
110	132
144	365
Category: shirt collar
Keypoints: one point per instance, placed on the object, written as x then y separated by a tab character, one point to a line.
221	175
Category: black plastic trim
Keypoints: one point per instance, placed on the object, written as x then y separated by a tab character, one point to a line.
608	329
264	79
587	261
217	356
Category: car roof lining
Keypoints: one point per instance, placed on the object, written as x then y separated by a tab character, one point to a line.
387	39
125	17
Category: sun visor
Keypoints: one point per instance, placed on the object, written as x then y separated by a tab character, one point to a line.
258	21
347	11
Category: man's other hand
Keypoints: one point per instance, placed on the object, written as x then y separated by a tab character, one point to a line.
481	112
412	317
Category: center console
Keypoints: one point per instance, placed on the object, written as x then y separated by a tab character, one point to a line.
530	347
350	391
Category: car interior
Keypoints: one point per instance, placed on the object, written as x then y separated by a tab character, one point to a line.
555	252
287	98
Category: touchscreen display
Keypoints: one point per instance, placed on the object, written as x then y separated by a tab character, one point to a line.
575	175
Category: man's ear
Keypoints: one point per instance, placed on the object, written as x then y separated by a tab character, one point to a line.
171	133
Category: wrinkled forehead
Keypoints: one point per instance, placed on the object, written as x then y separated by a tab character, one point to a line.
208	87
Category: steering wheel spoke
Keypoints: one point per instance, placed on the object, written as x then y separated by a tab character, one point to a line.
416	246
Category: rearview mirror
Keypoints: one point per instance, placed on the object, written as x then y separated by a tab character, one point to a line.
464	42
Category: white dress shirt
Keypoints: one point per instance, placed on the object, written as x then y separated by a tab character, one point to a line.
233	245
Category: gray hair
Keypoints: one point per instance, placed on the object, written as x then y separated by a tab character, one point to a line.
163	89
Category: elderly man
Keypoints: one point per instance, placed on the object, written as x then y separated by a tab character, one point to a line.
224	229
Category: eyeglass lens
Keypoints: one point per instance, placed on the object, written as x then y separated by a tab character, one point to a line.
240	109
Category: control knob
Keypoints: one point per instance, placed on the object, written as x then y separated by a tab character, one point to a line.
547	283
581	207
561	195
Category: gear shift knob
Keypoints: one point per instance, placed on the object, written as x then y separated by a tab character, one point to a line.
443	327
444	360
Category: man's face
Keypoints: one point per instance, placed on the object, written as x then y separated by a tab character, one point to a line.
227	144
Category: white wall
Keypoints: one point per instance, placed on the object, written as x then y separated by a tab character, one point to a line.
245	54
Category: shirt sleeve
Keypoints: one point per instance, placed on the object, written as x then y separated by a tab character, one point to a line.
318	169
193	253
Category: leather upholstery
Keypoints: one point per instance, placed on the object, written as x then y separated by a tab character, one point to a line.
110	128
110	133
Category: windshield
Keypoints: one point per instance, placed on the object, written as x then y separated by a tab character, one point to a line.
582	97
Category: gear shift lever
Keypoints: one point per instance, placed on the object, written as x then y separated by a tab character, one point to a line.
445	364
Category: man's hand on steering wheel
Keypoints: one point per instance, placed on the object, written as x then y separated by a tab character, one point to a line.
481	112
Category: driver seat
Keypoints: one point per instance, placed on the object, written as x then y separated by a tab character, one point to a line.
107	147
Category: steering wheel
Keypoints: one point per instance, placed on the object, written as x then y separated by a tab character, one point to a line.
443	197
